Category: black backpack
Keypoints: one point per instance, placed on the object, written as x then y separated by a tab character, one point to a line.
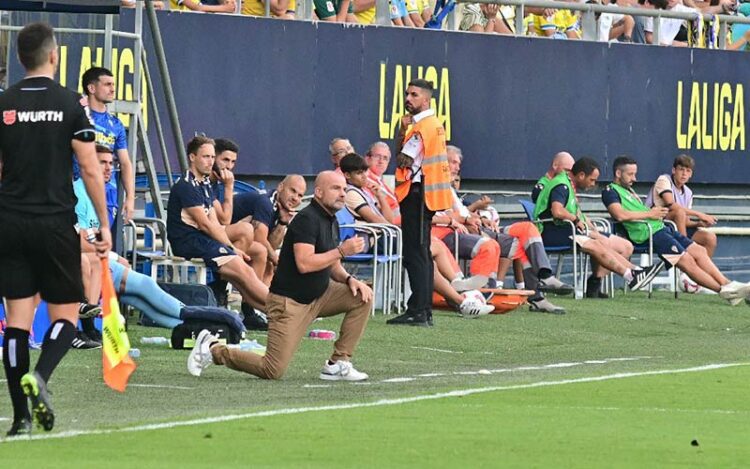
184	335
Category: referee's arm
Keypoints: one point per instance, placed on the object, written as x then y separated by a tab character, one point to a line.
94	181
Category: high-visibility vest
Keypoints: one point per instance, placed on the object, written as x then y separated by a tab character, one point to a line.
637	231
436	175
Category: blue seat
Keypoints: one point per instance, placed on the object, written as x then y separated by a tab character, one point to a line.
647	248
386	239
572	248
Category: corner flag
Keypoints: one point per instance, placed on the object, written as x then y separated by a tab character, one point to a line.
117	366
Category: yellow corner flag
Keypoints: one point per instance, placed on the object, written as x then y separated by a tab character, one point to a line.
117	366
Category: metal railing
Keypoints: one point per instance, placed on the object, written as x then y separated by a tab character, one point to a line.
588	12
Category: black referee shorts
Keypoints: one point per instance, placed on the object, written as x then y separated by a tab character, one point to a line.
40	254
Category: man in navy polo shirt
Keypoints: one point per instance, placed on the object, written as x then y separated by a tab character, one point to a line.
269	216
194	230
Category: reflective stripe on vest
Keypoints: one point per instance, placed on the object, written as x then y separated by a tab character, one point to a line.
436	177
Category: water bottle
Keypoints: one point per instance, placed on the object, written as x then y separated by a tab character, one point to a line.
155	340
134	353
261	187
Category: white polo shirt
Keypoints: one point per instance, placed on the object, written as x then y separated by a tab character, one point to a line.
415	148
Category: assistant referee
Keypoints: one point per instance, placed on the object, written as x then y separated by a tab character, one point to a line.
42	123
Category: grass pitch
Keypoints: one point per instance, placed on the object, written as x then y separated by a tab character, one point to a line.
540	403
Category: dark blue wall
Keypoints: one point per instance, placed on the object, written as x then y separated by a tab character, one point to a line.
283	89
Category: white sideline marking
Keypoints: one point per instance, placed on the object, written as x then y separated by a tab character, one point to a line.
4	419
648	409
317	386
161	386
436	350
379	403
506	370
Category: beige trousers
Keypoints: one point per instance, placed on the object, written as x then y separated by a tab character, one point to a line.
287	323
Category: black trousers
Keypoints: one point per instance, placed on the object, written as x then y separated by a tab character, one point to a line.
416	220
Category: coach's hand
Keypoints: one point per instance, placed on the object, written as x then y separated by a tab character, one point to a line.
353	246
361	287
103	243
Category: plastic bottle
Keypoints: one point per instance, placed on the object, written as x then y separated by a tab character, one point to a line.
322	334
261	187
134	353
155	340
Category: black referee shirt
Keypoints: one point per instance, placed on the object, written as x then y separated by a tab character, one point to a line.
312	225
39	120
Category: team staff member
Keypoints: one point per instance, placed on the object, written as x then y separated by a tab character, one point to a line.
39	247
423	187
301	291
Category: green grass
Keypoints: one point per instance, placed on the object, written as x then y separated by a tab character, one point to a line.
633	422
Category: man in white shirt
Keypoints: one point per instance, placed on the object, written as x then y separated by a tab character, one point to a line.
668	27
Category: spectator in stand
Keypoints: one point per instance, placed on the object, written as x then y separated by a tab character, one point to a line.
562	24
194	230
399	15
158	5
284	9
269	216
625	206
339	148
559	200
740	37
613	26
672	192
488	18
419	12
364	10
337	11
204	6
527	250
668	27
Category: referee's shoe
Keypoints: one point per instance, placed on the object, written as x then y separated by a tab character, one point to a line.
36	389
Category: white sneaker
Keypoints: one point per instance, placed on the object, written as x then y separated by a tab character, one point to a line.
200	357
474	305
735	291
341	371
472	283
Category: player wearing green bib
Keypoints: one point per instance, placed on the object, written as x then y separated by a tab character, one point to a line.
625	205
558	200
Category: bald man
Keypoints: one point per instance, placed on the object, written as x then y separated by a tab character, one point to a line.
563	161
269	216
309	283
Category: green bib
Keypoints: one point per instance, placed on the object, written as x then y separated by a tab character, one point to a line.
542	202
637	231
